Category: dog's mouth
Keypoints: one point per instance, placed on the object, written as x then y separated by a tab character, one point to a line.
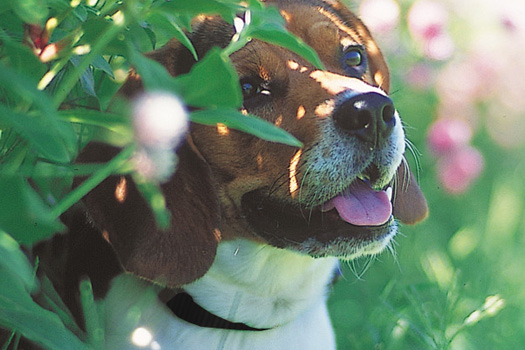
353	220
361	205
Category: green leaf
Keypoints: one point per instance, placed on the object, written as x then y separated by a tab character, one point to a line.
13	154
268	25
31	11
43	137
81	13
103	65
19	312
169	24
23	213
277	36
54	139
153	74
14	263
150	33
197	88
87	80
212	82
247	123
138	35
94	329
117	123
49	299
21	58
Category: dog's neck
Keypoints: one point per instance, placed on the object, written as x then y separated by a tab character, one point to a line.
261	286
257	285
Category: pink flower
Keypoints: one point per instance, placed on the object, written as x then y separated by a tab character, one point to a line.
427	20
439	47
448	135
458	170
459	164
381	16
420	76
511	16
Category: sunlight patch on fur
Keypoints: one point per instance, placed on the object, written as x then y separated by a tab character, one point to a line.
293	187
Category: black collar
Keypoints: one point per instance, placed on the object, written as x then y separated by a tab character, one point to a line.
185	308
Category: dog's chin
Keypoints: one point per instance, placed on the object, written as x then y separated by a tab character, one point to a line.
313	231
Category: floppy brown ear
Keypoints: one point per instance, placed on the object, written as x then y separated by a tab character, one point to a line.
171	257
183	252
378	67
410	205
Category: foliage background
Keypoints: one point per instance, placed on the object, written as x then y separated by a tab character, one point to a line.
455	281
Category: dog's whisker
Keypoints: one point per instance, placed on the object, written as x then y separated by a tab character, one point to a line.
415	153
301	187
405	181
391	248
359	267
278	183
392	93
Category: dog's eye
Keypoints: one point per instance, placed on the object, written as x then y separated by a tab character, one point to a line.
254	92
354	61
353	58
249	89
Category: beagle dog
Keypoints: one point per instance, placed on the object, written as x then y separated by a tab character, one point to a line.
257	228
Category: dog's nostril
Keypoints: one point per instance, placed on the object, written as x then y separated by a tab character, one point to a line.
388	114
363	119
370	117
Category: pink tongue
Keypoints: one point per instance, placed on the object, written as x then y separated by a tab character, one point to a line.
362	206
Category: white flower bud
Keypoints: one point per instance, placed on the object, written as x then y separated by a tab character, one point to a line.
160	123
159	120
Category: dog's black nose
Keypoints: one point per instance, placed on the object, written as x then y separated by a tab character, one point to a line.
370	117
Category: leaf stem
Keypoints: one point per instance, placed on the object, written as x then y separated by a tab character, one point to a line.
94	330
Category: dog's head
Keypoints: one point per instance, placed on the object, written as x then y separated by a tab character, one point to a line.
339	195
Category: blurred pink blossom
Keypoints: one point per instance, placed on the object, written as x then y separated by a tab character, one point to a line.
448	135
420	76
512	16
459	169
427	22
381	16
468	80
427	19
466	112
459	164
439	48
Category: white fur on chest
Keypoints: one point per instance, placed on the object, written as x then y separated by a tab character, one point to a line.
261	286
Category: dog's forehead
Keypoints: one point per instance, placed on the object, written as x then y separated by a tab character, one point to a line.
318	24
322	27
